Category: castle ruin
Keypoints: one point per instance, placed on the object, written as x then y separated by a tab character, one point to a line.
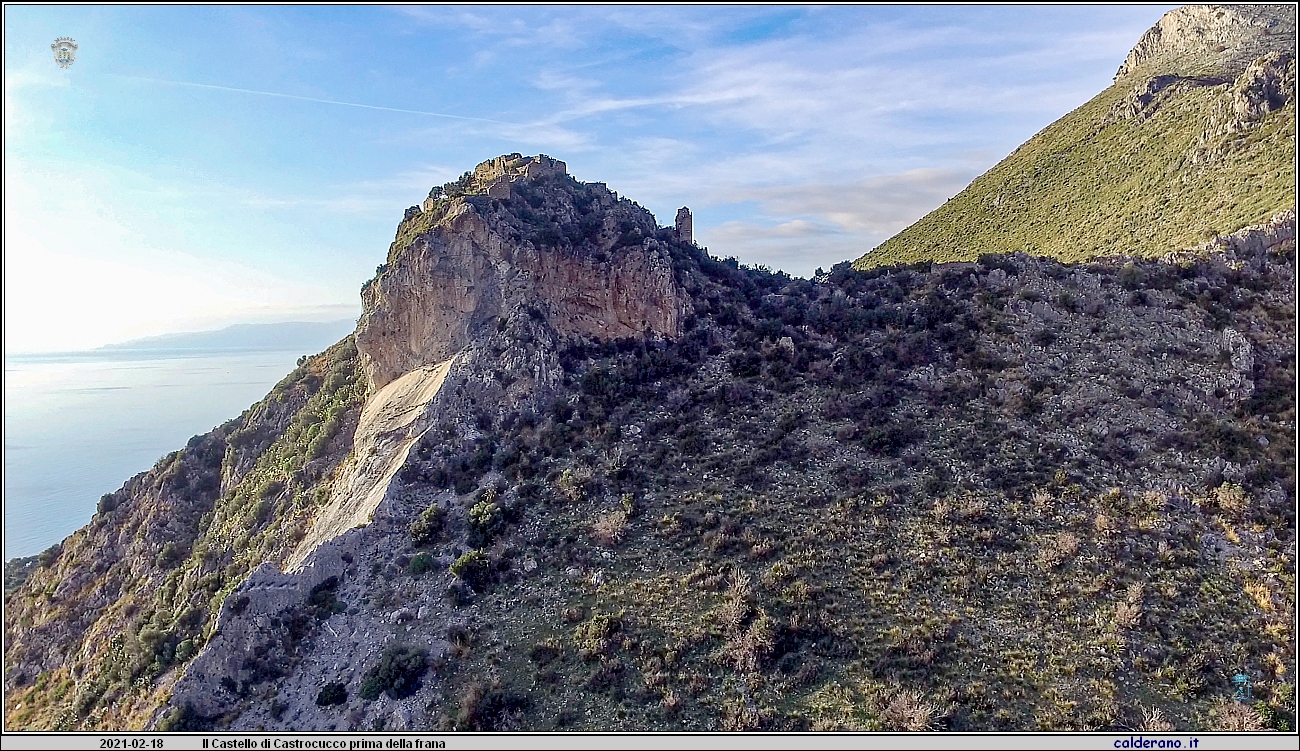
683	225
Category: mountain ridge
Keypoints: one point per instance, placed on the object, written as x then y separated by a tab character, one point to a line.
1195	139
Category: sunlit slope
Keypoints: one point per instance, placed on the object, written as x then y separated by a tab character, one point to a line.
1095	183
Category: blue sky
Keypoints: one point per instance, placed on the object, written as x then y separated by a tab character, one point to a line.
202	165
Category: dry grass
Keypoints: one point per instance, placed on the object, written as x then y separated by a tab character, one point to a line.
610	529
1129	612
670	702
1259	592
1231	498
1059	550
1155	721
909	711
1236	717
747	650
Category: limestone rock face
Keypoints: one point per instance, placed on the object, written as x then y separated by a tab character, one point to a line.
529	241
1266	85
1201	40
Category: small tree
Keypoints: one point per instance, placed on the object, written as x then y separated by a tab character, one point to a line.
473	568
427	529
397	674
331	694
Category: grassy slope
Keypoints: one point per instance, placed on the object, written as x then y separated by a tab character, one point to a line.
149	610
1078	190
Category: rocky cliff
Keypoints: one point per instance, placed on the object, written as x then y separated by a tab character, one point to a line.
530	241
481	289
1195	139
1209	41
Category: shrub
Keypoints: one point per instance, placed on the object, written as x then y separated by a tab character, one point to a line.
745	364
575	484
610	529
1236	717
168	557
107	503
485	707
595	636
397	674
422	563
185	650
1155	721
183	719
544	651
331	694
910	712
473	568
1131	276
485	519
427	529
49	555
458	594
270	488
322	602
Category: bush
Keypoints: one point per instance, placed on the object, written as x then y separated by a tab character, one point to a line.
745	364
49	555
485	519
184	719
485	707
427	529
609	530
270	488
545	651
185	650
331	694
473	568
168	557
322	602
422	563
107	503
397	674
458	594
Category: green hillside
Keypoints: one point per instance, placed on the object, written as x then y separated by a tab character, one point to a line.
1099	183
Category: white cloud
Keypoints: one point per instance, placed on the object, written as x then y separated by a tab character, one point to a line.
839	222
77	274
797	246
876	206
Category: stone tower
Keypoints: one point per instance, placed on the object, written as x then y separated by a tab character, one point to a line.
683	224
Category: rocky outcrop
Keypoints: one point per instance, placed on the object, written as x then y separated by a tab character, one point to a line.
1209	40
1265	86
211	683
1146	97
1250	47
1276	236
599	271
393	420
507	264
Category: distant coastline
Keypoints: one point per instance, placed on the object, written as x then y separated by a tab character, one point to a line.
308	336
245	337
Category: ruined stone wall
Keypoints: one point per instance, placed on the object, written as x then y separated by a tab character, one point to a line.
684	225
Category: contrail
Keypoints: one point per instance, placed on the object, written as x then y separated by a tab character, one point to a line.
314	99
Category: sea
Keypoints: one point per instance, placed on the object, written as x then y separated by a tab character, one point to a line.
78	425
